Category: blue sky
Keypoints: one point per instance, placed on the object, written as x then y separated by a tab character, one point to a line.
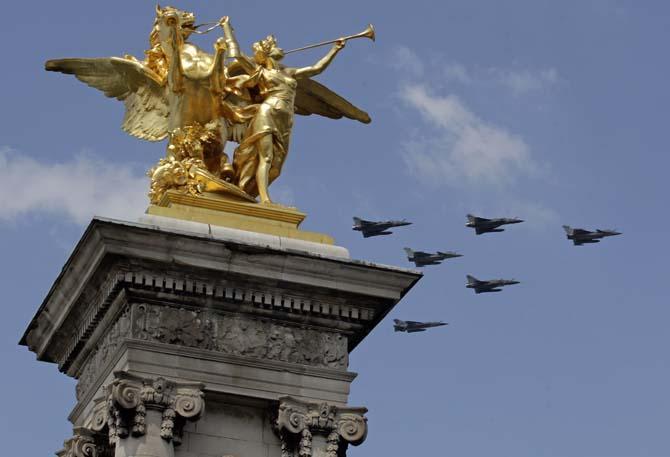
555	112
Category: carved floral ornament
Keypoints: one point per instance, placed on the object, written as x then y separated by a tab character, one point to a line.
123	409
82	444
297	422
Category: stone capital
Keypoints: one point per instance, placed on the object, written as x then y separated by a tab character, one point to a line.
298	422
129	397
84	443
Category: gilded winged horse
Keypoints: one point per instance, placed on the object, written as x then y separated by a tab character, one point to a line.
193	99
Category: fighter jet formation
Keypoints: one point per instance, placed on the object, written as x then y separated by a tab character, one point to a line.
373	228
414	326
484	225
488	285
421	259
581	236
481	225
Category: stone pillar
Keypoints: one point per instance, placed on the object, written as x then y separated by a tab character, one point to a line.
153	318
318	429
145	417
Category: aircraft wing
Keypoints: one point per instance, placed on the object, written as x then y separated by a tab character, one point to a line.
483	287
578	231
414	330
480	220
413	323
421	254
365	223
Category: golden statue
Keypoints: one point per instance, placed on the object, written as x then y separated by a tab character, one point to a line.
199	101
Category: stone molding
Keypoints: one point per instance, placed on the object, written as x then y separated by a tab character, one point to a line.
171	284
225	333
297	422
128	398
115	258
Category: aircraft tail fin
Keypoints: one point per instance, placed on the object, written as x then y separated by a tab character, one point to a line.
568	229
471	217
409	252
357	220
472	279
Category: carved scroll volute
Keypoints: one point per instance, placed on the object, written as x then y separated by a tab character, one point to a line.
82	444
99	420
298	421
129	397
99	416
189	404
186	404
290	419
352	428
126	394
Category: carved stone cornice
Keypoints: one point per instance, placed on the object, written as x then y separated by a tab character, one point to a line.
84	443
129	397
297	422
233	274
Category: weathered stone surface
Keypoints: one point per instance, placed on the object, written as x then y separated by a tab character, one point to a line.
225	333
141	314
252	238
85	443
318	429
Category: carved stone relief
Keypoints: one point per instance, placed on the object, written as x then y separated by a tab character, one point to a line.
225	333
103	353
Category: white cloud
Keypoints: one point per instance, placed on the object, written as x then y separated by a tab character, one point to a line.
521	82
462	148
405	59
534	214
77	189
517	81
457	72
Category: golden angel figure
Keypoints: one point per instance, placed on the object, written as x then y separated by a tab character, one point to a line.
198	103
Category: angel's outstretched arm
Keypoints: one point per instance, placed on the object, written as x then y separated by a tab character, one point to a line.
321	65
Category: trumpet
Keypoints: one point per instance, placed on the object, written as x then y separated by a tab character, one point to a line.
202	32
369	32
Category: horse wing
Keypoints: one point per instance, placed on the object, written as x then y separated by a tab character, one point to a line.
141	90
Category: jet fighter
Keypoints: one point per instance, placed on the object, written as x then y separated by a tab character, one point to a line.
581	236
421	259
483	225
490	285
413	326
372	228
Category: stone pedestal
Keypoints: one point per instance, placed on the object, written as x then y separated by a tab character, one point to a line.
189	339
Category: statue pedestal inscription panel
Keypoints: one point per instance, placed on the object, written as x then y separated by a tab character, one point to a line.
188	340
